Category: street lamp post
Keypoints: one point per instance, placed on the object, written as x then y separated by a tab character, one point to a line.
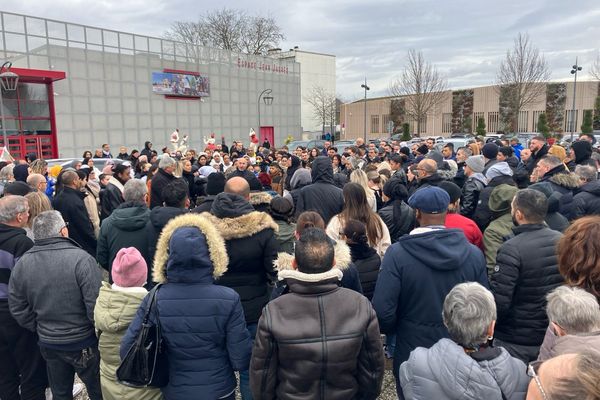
8	82
364	86
268	99
576	68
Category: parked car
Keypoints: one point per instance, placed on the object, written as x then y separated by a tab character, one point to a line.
99	163
457	142
343	144
295	144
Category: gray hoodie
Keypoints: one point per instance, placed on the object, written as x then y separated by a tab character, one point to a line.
445	371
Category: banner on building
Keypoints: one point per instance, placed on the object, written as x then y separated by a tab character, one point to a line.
183	84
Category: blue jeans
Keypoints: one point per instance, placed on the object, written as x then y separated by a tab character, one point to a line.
245	375
62	366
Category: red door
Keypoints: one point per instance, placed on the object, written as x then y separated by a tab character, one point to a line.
267	132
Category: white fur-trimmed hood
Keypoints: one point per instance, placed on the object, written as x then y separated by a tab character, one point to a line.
215	242
283	263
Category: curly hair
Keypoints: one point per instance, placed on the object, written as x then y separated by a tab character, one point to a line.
579	254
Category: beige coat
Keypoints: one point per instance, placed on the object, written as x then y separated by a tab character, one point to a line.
114	311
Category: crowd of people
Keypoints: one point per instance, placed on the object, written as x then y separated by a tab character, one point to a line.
300	271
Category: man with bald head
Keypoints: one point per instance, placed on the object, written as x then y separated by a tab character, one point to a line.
252	247
426	175
37	182
238	185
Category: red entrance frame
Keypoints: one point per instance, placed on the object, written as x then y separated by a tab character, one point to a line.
43	77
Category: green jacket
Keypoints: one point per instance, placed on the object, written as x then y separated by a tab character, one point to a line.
113	313
125	227
285	237
493	238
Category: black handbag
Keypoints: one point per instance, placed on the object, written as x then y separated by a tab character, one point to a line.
146	364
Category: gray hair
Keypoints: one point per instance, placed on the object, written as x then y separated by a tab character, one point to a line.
469	309
47	225
134	190
7	172
468	152
10	206
166	161
586	172
574	309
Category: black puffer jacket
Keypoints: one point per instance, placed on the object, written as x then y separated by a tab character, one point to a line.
587	201
400	223
367	262
159	217
483	215
70	204
251	246
470	194
157	184
563	183
322	196
526	270
432	180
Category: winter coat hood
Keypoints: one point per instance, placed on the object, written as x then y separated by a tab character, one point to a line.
583	151
258	199
440	249
566	180
501	168
115	309
592	187
130	216
146	146
228	205
243	226
322	170
301	178
445	372
189	249
480	177
283	263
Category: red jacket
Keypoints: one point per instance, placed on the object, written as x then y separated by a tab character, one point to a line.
470	228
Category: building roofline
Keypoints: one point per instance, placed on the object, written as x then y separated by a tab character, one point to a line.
466	88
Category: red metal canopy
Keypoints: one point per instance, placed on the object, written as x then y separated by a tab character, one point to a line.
38	75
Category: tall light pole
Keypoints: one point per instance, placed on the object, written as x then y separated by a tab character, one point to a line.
364	86
576	68
268	99
8	82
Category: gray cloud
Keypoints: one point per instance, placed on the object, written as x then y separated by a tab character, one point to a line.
465	39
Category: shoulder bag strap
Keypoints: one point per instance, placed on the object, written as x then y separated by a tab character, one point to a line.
151	303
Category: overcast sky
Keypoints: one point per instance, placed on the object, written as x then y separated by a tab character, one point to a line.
465	39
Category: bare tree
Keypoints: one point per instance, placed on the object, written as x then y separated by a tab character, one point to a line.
323	104
229	29
595	71
421	86
521	78
261	34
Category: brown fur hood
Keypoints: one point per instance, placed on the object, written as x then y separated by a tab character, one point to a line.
569	181
216	245
243	226
283	263
257	198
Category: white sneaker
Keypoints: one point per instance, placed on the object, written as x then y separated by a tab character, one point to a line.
77	389
48	394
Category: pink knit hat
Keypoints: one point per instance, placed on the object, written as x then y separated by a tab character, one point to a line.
129	269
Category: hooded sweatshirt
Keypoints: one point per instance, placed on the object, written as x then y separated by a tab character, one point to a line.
417	273
322	196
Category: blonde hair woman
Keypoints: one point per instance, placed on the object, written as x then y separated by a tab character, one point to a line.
359	176
38	203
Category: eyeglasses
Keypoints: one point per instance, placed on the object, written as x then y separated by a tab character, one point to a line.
532	370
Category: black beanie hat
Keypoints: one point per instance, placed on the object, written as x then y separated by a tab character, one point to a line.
490	151
423	149
215	183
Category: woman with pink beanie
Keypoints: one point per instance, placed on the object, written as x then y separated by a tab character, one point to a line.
116	307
